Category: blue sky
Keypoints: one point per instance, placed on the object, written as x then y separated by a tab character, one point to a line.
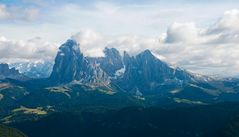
199	35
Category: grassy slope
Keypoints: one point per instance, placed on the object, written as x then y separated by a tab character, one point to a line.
10	132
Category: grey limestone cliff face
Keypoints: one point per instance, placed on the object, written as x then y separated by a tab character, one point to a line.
110	63
70	65
145	72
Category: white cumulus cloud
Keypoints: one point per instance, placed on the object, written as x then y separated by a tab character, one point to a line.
183	32
212	50
30	50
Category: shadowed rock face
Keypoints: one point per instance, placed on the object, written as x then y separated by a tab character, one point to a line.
146	72
110	63
70	65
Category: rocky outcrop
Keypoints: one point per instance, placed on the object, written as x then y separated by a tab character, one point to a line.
110	63
146	73
70	65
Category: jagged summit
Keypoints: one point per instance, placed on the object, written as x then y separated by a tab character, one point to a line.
70	43
70	46
70	65
146	73
146	52
148	55
111	52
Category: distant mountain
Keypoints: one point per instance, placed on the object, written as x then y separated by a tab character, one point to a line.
34	69
146	73
12	73
70	65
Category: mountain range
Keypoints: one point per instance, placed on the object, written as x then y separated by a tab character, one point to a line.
112	81
143	72
6	72
39	69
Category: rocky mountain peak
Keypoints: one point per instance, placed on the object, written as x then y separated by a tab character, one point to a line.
147	73
70	65
111	52
71	44
147	55
112	61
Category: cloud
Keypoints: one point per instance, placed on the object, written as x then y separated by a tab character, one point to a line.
3	12
182	32
211	51
93	43
224	31
229	22
133	44
8	13
206	50
30	50
31	14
